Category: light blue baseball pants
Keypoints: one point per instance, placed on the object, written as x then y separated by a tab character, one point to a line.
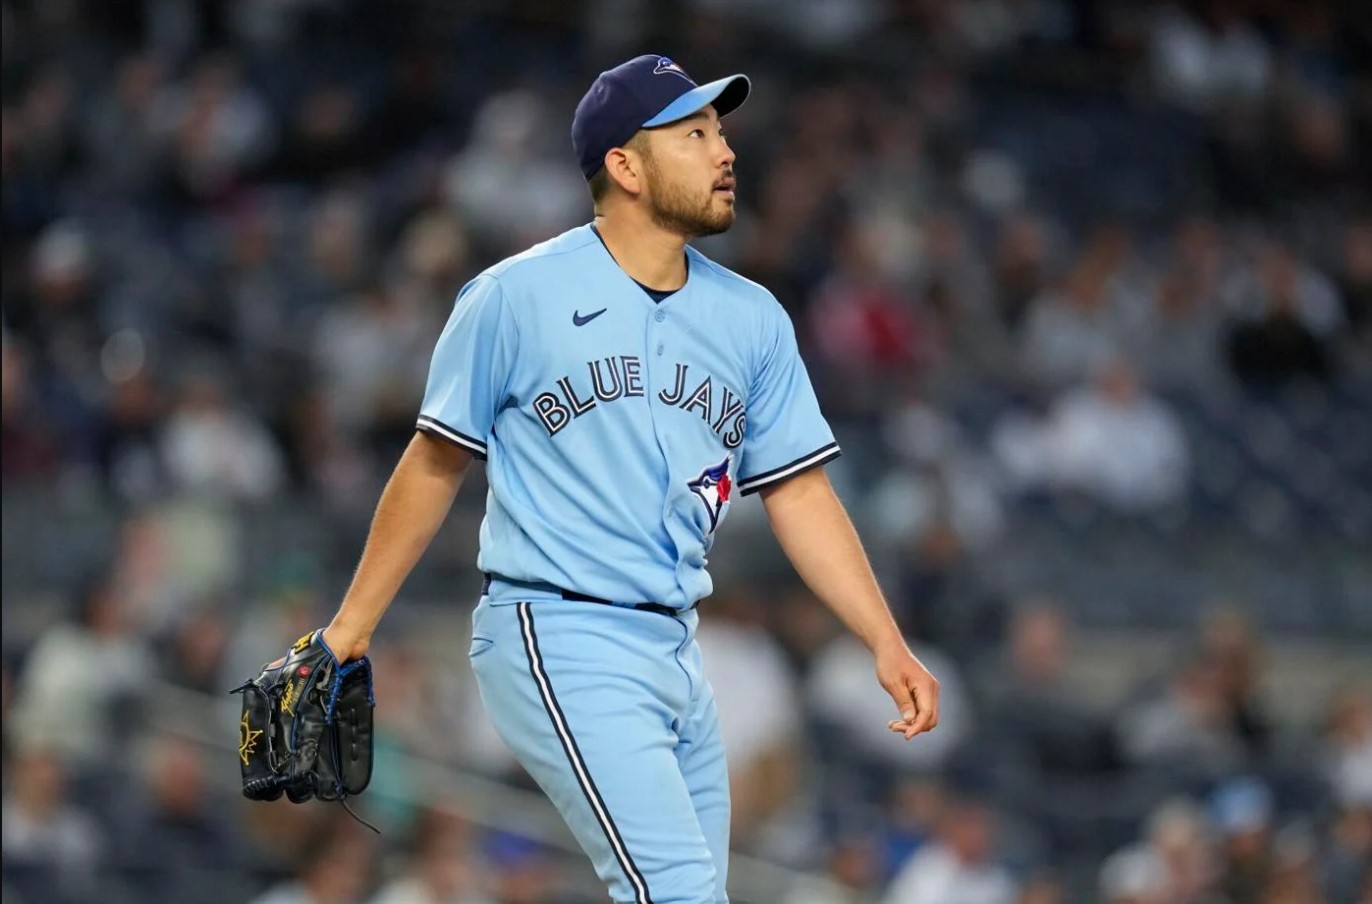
608	709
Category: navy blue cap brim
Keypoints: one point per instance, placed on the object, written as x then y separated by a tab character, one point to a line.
727	94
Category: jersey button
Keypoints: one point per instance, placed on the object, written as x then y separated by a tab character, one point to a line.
660	316
660	348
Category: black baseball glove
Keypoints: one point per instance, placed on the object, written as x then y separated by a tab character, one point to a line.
306	730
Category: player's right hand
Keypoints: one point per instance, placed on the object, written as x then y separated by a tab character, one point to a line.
913	688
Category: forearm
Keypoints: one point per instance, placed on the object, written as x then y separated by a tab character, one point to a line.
412	507
819	539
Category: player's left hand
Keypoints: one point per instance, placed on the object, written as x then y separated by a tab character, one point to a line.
911	686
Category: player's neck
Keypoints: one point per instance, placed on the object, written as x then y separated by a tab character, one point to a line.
648	254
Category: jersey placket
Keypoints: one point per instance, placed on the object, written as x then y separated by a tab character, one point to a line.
661	349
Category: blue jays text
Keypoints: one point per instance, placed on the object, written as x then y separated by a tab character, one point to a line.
619	377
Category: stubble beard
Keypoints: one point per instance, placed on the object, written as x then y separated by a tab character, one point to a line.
674	209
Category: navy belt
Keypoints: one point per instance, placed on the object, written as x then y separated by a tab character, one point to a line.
539	587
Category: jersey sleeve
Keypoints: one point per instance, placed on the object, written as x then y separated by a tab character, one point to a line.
469	374
785	434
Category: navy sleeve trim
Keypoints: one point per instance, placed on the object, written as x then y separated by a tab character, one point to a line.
457	438
823	454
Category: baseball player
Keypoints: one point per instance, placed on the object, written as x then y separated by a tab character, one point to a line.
623	389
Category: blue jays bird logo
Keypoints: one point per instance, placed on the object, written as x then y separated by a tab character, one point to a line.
666	65
713	487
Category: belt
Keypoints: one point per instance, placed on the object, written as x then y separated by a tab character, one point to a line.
540	587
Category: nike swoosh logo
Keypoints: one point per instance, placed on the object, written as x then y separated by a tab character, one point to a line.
578	320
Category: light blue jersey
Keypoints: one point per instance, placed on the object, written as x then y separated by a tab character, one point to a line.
618	424
617	430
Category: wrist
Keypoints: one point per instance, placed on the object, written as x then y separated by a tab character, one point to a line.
345	643
888	642
344	630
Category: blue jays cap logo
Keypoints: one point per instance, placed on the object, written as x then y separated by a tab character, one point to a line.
713	487
665	65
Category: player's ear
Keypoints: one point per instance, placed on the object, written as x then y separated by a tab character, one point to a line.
625	168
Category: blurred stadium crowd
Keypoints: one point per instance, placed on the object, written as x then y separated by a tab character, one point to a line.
1086	289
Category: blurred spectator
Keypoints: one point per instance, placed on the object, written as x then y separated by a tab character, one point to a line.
1210	58
852	874
1033	706
120	137
938	592
938	475
959	867
435	251
1117	443
1086	321
328	136
51	116
194	653
55	311
79	694
1021	267
213	446
323	459
35	152
914	809
1228	640
1181	338
1276	348
1175	864
816	24
442	871
127	450
1110	441
1242	812
1314	156
256	273
30	447
865	327
339	248
967	334
522	872
1131	877
372	351
511	186
216	128
997	26
281	835
1347	866
335	868
1188	726
1355	276
1286	317
1042	890
1295	872
786	246
1347	749
169	556
181	836
50	842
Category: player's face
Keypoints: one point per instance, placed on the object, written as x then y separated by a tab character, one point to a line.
690	176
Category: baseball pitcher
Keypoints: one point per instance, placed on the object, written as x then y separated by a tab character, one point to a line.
623	390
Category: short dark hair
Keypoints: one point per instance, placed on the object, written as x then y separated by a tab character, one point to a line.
599	184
